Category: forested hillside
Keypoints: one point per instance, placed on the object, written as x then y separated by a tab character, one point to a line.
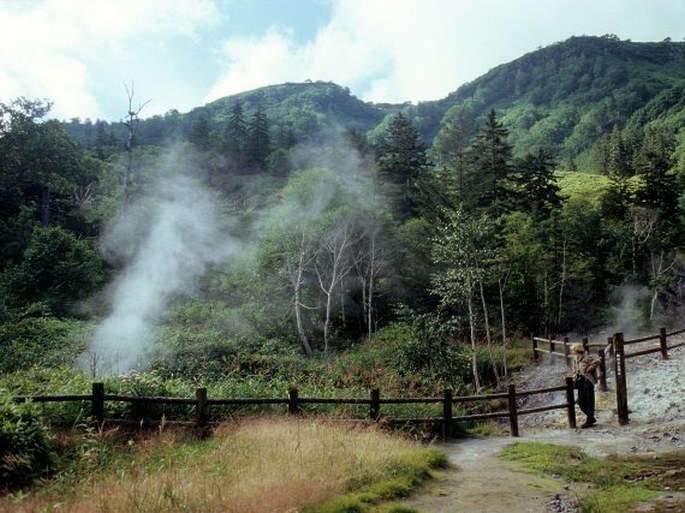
297	219
569	98
572	96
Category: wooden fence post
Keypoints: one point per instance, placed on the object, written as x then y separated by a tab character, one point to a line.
447	414
513	410
201	413
375	404
567	361
662	343
620	373
570	403
586	343
602	371
98	403
610	343
293	396
551	350
535	349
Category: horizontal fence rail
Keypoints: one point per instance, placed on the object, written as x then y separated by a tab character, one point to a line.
294	403
662	348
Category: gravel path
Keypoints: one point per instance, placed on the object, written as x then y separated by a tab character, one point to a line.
480	482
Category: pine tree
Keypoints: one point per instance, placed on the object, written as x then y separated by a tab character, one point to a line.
654	164
538	187
235	138
200	133
618	158
450	152
258	141
105	142
488	184
401	159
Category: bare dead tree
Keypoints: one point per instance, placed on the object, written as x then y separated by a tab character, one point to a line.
84	195
296	271
645	223
660	269
131	123
332	264
370	261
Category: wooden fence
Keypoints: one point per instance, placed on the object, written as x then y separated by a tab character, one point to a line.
615	346
551	347
620	357
294	404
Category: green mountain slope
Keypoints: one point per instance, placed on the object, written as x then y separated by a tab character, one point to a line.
306	108
567	98
570	95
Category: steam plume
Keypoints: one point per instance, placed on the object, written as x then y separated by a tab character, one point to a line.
168	248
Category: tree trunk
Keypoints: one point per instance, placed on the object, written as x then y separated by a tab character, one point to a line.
488	337
372	279
472	329
658	269
562	281
505	367
340	265
297	301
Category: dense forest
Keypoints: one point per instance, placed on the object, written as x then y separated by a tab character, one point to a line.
297	219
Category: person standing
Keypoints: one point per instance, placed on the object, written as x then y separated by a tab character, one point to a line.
585	378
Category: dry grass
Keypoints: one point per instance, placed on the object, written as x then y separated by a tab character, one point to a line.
260	465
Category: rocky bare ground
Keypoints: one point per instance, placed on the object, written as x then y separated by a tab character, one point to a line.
482	482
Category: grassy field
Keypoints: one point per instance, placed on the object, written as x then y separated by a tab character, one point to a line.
253	465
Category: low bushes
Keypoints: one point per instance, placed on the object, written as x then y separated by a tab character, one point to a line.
25	449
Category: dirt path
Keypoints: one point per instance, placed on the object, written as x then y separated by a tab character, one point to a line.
481	482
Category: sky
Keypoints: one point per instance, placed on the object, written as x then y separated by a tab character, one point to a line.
84	55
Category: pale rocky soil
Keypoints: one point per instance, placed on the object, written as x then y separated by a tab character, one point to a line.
480	482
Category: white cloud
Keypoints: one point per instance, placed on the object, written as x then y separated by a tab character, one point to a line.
80	53
344	51
397	50
255	62
56	49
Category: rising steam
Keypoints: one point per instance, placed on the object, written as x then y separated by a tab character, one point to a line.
168	241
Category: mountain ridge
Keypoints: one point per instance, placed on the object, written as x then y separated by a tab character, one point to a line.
566	97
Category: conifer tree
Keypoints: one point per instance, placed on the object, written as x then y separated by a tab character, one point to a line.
450	152
654	164
401	159
200	133
488	183
618	160
258	141
235	138
537	185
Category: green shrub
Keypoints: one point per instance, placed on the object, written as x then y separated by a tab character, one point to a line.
57	270
44	341
431	353
25	451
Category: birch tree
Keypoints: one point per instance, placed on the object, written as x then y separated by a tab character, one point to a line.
463	247
334	261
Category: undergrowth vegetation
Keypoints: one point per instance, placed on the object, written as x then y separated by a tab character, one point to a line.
254	465
395	361
25	447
